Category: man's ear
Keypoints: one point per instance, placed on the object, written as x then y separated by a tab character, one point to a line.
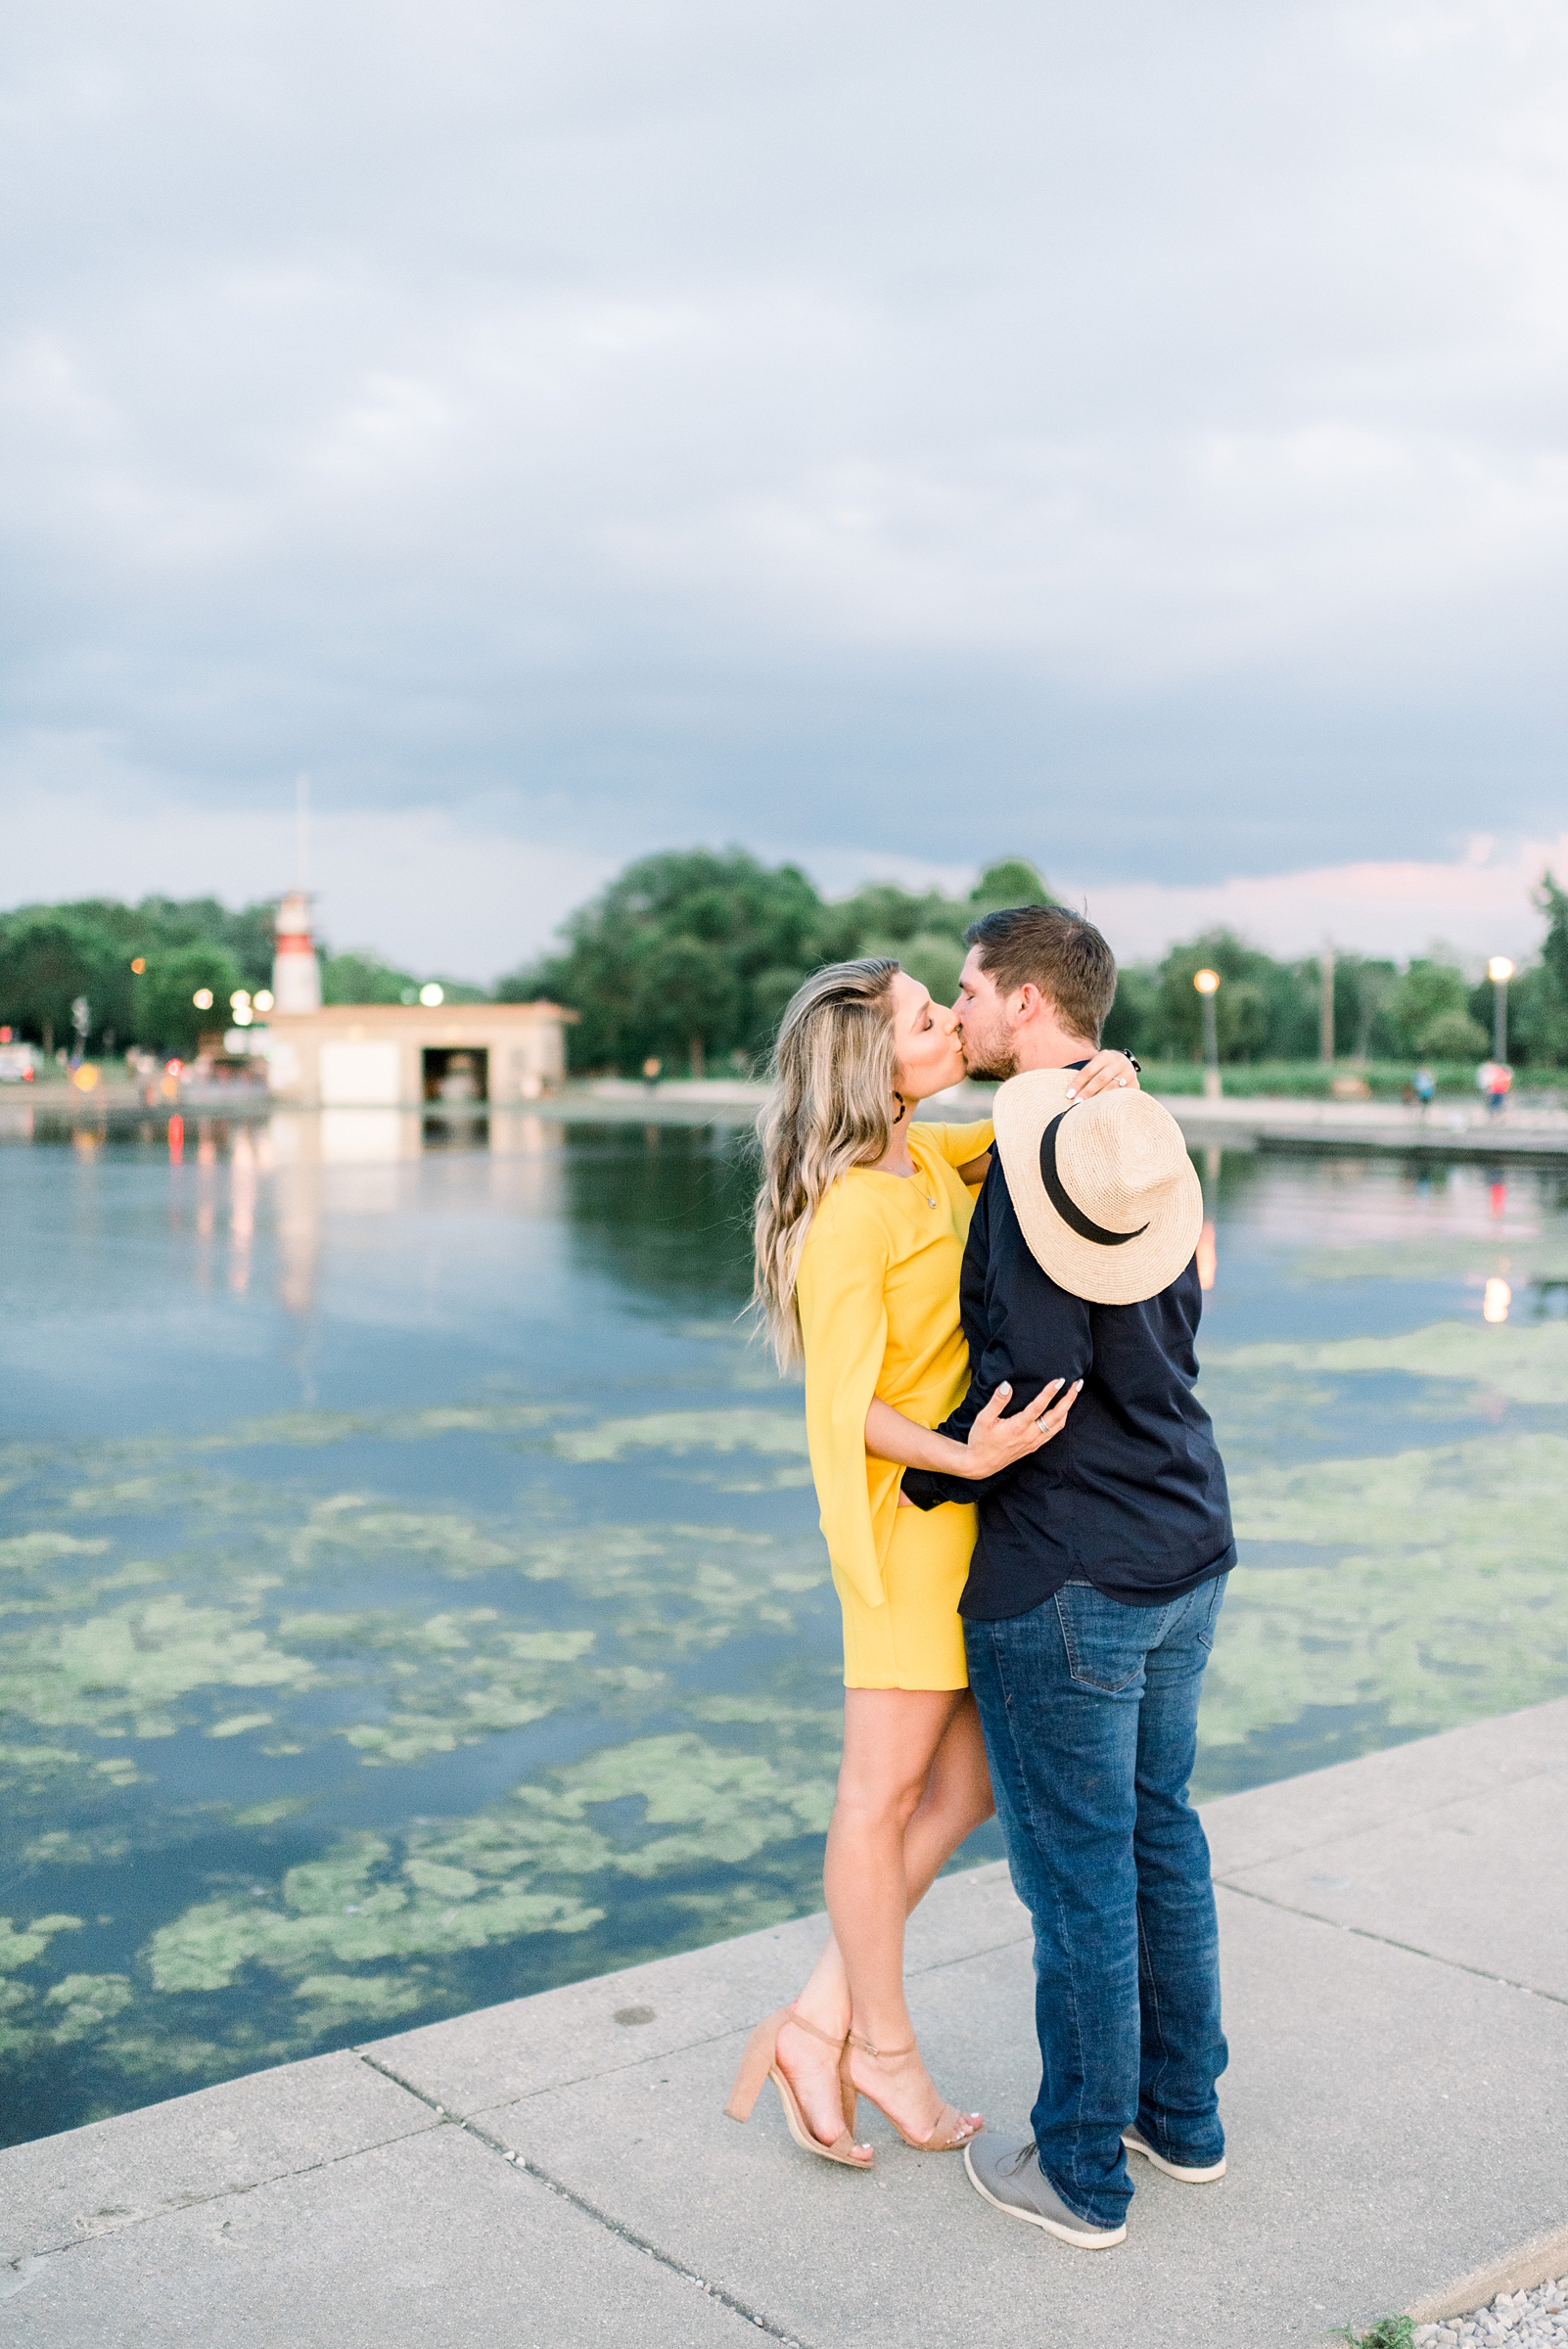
1027	1003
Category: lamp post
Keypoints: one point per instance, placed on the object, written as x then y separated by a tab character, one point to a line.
1500	970
1207	984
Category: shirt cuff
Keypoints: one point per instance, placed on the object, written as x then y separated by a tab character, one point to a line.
928	1490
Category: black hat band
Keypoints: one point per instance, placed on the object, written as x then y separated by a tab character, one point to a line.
1066	1208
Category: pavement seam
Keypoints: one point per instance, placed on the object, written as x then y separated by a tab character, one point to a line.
1449	1802
679	2047
1411	1949
993	1949
222	2193
591	2210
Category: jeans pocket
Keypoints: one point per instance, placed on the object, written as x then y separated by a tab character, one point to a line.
1105	1650
1212	1596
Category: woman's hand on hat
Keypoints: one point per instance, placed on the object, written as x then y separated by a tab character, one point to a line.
995	1442
1106	1073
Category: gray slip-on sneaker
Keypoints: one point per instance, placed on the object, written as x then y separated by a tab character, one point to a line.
1172	2169
1009	2176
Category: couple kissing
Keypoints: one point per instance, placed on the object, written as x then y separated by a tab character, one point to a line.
1029	1535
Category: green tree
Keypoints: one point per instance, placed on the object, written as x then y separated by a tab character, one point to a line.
1453	1036
167	1016
1133	1016
364	979
935	961
47	958
881	915
1363	993
1265	1010
1538	998
686	955
1429	1015
693	957
1553	904
158	924
1010	881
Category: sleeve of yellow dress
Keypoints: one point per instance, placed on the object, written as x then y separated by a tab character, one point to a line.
959	1144
842	1295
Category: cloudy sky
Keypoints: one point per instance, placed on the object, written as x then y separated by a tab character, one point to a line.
892	437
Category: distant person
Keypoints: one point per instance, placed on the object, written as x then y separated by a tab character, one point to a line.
653	1068
1494	1078
1423	1085
1095	1584
861	1220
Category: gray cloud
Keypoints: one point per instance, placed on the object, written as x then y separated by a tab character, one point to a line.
1133	436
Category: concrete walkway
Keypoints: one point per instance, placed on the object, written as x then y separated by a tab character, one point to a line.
557	2171
1527	1128
1530	1129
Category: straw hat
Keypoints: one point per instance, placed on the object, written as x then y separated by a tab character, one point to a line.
1107	1197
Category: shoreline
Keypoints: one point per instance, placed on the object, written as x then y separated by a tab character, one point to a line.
557	2170
1258	1122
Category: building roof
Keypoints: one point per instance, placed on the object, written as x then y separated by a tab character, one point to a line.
431	1017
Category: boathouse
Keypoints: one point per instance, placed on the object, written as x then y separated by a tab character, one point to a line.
387	1055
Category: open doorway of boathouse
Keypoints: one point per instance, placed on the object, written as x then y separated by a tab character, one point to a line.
455	1077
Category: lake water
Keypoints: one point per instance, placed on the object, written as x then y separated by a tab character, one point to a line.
411	1587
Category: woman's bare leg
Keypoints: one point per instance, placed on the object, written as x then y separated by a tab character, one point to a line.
957	1799
913	1784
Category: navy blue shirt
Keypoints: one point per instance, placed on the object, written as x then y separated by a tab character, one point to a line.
1132	1494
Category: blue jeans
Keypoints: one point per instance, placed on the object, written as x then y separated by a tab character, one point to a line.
1091	1714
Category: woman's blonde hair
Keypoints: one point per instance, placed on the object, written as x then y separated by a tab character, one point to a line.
834	1072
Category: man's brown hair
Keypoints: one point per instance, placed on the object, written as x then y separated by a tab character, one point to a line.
1055	949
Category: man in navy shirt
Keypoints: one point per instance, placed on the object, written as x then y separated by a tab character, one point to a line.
1094	1588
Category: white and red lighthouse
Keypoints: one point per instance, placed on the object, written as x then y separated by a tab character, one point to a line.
296	972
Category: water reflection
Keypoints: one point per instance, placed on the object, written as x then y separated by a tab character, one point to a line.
431	1606
245	1161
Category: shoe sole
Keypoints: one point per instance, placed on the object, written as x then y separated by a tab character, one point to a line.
1135	2144
1103	2238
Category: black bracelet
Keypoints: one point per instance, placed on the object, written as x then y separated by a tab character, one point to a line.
1137	1065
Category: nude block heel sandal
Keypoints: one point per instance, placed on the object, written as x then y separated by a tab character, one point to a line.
951	2129
761	2062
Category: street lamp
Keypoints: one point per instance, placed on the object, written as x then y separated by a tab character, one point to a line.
1207	984
1500	970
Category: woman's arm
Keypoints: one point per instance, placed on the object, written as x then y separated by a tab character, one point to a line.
993	1443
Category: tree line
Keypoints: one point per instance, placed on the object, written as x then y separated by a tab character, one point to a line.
139	968
689	958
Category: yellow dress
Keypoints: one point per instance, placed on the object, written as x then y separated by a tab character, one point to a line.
878	1296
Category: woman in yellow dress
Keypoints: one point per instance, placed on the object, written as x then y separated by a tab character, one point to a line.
862	1221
